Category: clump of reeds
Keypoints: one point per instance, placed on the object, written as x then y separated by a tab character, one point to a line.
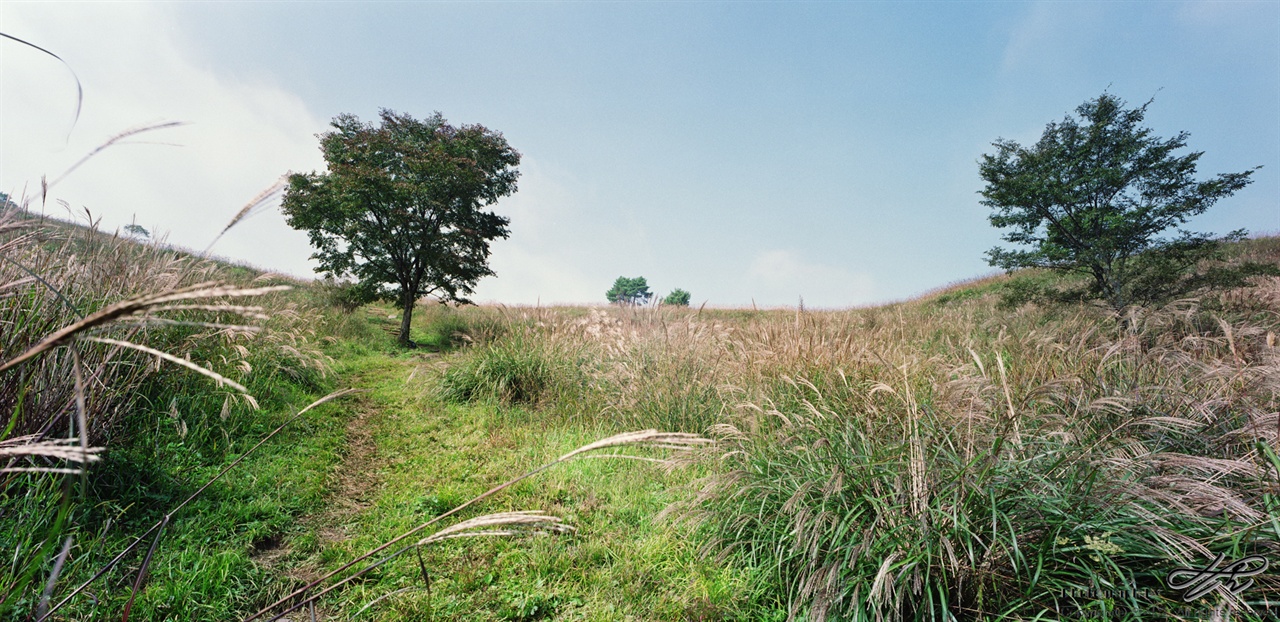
1058	466
515	370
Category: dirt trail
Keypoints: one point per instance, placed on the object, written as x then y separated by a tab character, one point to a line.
353	488
355	479
355	483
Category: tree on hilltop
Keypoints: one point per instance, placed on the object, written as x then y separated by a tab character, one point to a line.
629	291
1093	196
401	207
136	230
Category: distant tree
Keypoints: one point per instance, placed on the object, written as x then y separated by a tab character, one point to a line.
1092	196
677	298
401	208
634	291
136	231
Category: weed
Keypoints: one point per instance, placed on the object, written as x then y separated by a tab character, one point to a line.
517	370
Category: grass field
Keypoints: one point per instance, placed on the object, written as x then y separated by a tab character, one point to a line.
941	458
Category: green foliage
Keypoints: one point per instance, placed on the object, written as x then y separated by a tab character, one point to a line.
444	328
165	429
677	298
966	293
1093	196
517	370
346	295
401	208
530	606
136	230
629	291
1043	287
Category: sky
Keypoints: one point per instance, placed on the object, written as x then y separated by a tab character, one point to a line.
748	152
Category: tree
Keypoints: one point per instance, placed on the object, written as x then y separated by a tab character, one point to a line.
629	291
677	298
401	207
1093	195
136	230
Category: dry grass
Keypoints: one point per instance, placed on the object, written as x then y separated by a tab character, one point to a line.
60	283
938	459
863	450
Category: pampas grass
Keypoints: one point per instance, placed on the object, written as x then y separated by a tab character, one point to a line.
86	320
263	200
951	458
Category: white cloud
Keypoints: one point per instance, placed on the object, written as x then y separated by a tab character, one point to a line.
529	277
780	277
239	136
539	263
1050	36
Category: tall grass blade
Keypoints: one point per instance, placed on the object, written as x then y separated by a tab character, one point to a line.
142	570
261	200
79	89
43	607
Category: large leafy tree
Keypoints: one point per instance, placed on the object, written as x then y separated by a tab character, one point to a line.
1093	197
401	208
629	291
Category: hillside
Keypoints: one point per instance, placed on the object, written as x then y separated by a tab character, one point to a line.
943	458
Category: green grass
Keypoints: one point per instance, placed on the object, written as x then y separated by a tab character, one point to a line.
949	458
204	566
623	563
516	371
356	473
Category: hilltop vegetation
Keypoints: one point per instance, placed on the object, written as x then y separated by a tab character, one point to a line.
951	456
961	456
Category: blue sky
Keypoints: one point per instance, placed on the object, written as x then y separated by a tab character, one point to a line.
742	151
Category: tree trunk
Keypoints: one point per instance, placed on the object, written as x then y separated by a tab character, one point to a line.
406	317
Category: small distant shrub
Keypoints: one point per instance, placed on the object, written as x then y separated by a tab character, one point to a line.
677	298
971	292
1041	288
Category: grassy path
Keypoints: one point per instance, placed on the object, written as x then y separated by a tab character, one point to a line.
410	457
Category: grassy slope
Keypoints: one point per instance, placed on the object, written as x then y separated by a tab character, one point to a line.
427	456
355	474
167	431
